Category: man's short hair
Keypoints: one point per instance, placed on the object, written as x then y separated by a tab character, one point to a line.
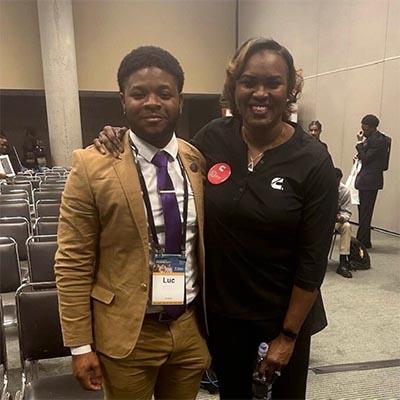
339	173
150	56
370	120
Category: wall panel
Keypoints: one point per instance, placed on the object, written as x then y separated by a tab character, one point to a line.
327	36
333	40
330	109
368	23
292	23
199	33
393	29
21	60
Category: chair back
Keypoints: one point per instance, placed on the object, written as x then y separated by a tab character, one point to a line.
3	352
41	253
52	187
46	226
15	208
47	208
19	229
39	330
46	195
15	195
4	393
12	187
52	174
10	272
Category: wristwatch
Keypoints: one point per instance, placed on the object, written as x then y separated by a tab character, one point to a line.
288	333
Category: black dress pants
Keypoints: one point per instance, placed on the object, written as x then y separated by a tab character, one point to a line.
233	345
365	211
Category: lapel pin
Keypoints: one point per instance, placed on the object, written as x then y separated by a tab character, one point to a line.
194	167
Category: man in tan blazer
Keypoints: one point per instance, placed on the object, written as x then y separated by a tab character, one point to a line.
129	332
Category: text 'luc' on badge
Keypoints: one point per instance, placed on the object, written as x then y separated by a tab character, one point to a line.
219	173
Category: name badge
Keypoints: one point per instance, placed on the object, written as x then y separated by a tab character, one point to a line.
168	280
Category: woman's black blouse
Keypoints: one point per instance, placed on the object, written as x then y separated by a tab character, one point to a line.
269	229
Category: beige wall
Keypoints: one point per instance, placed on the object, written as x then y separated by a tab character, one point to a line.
21	60
332	41
200	34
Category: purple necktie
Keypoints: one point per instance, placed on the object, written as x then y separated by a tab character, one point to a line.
172	217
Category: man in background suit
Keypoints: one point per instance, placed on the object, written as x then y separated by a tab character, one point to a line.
132	328
373	151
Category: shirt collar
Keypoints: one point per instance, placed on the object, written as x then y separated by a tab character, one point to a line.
148	151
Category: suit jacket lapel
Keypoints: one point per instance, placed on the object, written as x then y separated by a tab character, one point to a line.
192	167
127	173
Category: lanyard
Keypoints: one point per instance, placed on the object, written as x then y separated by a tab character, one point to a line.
146	199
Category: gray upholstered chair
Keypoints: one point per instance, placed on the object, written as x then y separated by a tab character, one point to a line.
40	338
41	252
4	393
46	226
10	275
17	228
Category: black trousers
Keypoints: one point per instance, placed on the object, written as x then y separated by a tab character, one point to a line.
233	344
365	211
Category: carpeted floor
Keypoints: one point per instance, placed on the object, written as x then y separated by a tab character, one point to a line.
364	326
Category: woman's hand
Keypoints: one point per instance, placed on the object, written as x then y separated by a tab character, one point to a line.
109	141
279	352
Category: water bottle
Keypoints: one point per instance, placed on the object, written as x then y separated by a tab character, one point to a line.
261	388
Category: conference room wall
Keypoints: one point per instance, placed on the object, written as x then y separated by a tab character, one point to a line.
21	59
349	51
201	34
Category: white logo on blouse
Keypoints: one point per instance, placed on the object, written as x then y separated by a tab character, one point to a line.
277	183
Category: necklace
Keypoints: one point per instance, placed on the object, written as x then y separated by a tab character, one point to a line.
250	165
253	160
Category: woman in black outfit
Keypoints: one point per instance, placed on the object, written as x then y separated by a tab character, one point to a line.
270	205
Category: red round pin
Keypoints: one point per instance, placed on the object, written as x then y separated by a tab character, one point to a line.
219	173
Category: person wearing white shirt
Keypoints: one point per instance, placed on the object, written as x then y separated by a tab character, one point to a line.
343	226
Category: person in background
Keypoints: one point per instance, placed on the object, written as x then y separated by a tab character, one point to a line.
123	221
6	149
270	207
315	129
373	151
28	148
343	226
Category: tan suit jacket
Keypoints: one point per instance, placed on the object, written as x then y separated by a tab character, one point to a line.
102	262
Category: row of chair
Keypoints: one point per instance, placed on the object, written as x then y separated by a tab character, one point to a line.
40	250
24	191
10	207
40	338
20	229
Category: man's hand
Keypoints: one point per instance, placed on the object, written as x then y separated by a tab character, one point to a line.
279	352
3	176
86	368
340	218
109	141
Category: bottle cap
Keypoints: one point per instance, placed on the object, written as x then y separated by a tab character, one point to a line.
262	349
